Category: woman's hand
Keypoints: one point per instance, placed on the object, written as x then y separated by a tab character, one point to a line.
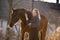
29	24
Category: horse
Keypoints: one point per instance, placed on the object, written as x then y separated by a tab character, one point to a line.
43	26
20	14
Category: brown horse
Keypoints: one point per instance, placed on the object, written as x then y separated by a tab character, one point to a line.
43	27
20	14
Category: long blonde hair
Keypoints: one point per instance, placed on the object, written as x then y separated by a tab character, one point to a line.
36	10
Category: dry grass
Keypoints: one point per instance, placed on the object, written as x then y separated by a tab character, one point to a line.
12	36
55	35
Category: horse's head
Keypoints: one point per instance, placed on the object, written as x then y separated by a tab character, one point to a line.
17	14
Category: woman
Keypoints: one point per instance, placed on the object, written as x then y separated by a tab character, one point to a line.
34	24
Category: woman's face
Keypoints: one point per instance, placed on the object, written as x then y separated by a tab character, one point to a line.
35	13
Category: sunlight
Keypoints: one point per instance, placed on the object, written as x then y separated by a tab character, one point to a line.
59	1
50	1
58	29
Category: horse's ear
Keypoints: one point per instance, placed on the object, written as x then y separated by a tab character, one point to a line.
13	10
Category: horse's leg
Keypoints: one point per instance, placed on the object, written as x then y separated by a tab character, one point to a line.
43	34
23	36
23	31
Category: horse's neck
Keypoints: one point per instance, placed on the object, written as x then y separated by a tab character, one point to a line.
23	20
22	24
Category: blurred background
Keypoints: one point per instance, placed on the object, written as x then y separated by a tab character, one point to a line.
49	8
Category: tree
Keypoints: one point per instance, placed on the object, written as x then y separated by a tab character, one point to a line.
10	8
57	1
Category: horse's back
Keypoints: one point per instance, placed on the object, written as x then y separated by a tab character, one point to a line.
43	23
